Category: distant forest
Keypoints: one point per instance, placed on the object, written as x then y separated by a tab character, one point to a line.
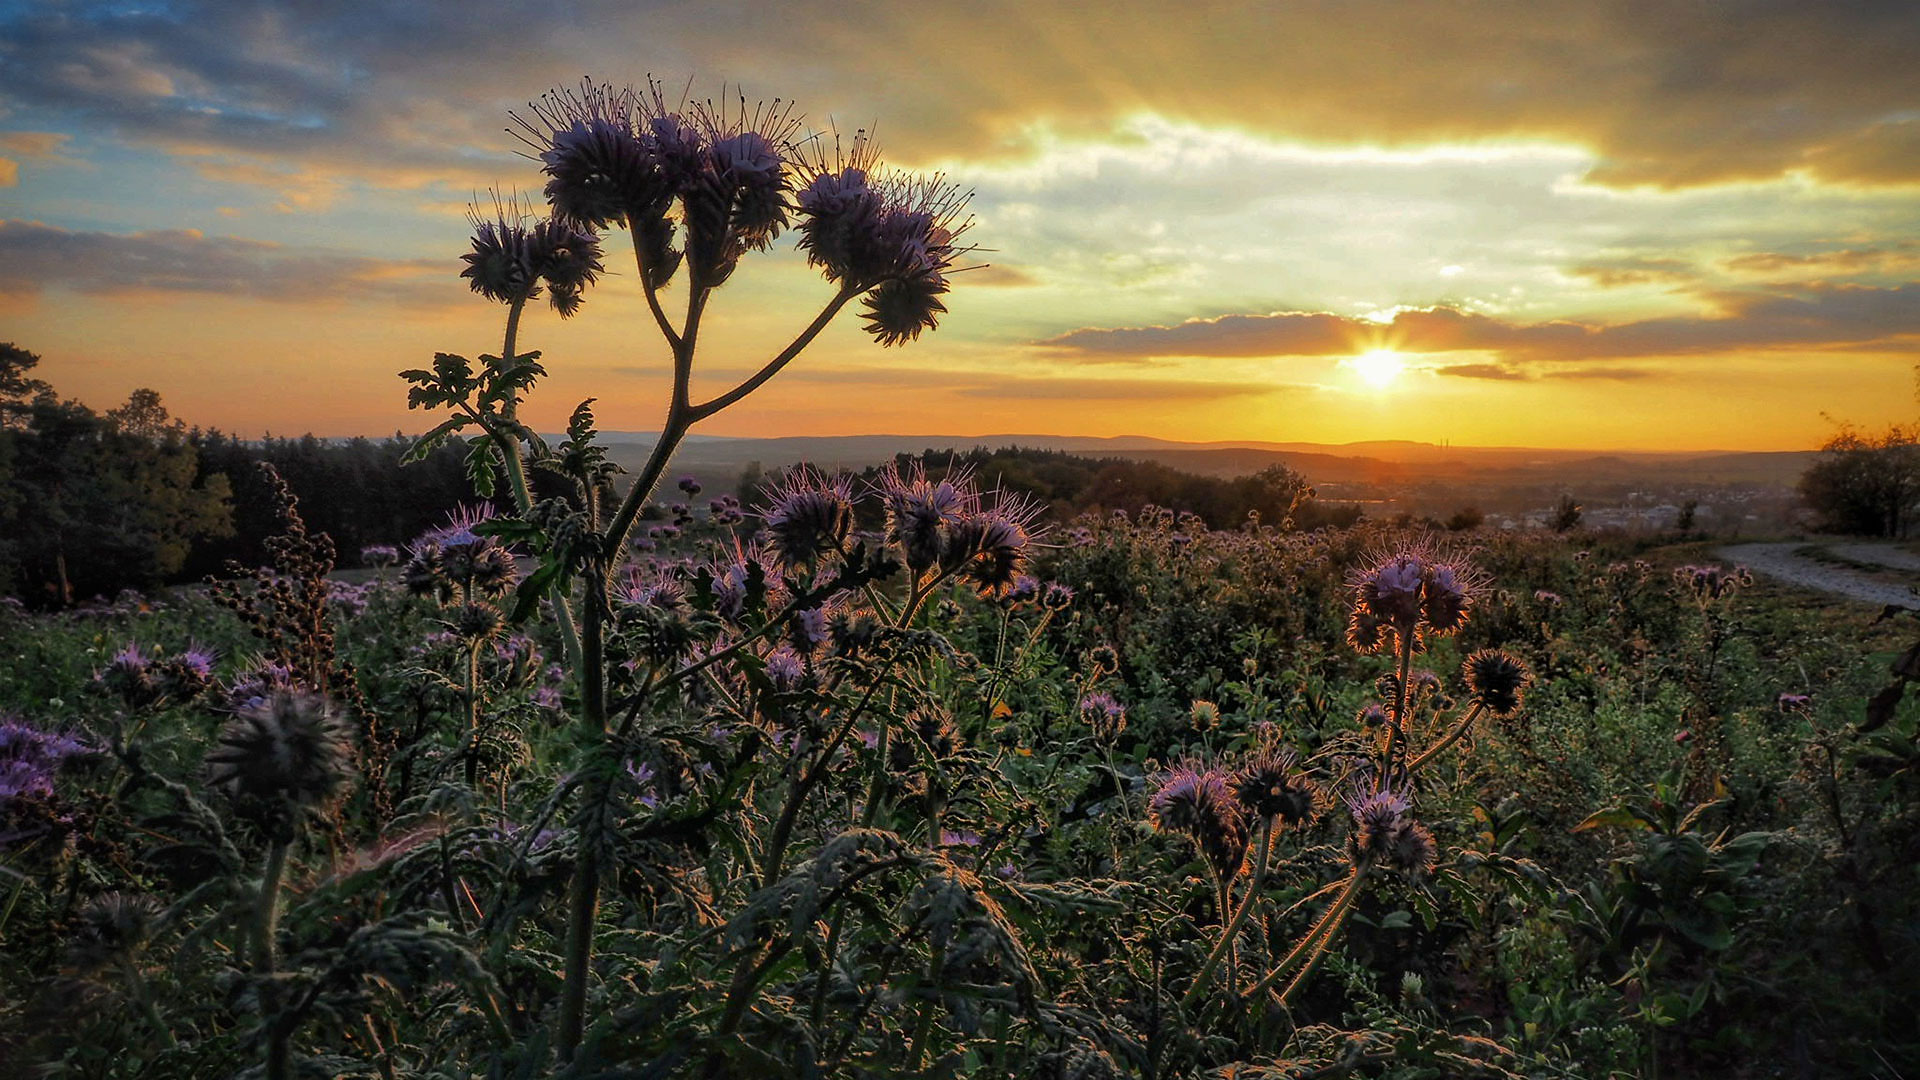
92	503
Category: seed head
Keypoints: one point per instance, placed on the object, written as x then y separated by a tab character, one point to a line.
282	758
1498	680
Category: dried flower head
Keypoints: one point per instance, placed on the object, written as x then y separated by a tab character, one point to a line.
281	758
1203	715
1497	680
112	928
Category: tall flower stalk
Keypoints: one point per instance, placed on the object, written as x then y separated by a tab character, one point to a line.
1399	603
696	187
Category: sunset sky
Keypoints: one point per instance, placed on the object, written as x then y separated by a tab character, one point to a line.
1609	225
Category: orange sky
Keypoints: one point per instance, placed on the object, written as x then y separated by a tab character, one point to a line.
1580	224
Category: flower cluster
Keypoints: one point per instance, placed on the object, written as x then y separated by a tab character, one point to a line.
1711	584
29	758
456	563
950	525
1407	596
511	259
892	236
1217	808
141	681
1385	833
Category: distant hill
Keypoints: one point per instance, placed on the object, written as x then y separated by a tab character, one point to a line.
1378	462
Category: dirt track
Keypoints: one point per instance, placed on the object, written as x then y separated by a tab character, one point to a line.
1784	562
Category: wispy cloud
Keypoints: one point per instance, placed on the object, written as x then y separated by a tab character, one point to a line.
35	258
1814	315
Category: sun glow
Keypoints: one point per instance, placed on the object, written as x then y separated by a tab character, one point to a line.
1378	368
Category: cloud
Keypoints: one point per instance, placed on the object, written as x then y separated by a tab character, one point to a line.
1615	273
41	146
1891	258
35	257
393	90
1069	389
1812	315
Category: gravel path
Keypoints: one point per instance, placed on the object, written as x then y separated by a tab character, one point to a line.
1782	561
1887	555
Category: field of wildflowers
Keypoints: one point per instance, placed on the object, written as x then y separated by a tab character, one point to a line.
884	779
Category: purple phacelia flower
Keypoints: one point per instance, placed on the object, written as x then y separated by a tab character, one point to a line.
1199	805
785	668
809	516
30	758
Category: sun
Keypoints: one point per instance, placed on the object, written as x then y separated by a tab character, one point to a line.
1378	368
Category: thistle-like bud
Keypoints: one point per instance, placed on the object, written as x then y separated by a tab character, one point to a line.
930	729
1056	596
112	928
280	759
1498	680
1203	715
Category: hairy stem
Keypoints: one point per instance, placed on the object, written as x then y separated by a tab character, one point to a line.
1451	737
1323	927
1239	916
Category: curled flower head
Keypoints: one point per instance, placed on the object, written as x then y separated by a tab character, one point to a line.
1371	715
891	236
281	758
187	674
810	516
510	259
990	548
1497	680
130	674
1056	596
1411	849
380	555
736	200
598	147
689	485
455	558
1271	785
1200	805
